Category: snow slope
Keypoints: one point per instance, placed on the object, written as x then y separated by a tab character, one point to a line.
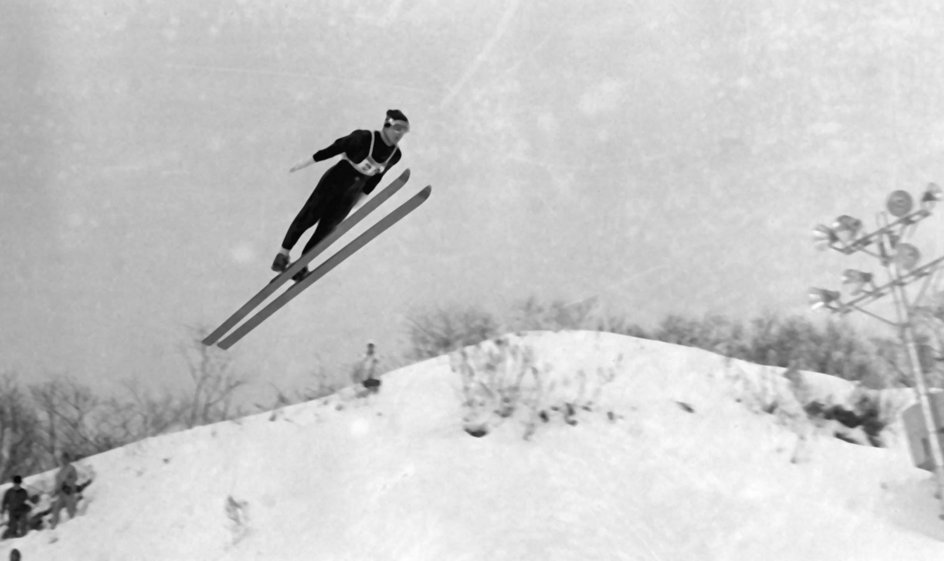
668	454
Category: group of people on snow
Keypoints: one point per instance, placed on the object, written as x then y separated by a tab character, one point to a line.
25	509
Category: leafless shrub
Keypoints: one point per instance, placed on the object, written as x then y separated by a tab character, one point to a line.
444	330
237	513
501	380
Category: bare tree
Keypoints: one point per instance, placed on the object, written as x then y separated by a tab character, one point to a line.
68	410
145	415
445	330
531	314
19	428
214	382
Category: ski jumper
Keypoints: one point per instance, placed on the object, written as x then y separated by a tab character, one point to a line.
365	160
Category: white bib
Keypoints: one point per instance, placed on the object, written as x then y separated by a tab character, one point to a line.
368	166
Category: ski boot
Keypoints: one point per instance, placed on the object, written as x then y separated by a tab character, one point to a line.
281	263
300	274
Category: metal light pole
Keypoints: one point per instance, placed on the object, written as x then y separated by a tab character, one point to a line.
900	261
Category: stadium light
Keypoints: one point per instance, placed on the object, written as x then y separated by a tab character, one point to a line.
858	280
823	298
907	256
847	228
824	237
899	203
900	260
931	196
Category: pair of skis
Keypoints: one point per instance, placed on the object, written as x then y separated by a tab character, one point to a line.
234	335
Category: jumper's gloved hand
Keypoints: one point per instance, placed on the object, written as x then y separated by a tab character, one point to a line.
302	164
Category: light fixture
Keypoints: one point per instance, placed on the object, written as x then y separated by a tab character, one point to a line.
931	195
899	203
857	280
824	237
847	228
823	298
907	256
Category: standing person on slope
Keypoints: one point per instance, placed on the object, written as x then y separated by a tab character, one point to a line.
65	491
365	157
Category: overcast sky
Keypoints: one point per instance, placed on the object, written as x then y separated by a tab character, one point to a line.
661	156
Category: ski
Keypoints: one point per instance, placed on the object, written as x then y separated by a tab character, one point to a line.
321	270
284	276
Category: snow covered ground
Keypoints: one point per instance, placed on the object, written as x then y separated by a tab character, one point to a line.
605	447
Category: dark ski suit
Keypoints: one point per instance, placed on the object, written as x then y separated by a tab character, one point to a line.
365	160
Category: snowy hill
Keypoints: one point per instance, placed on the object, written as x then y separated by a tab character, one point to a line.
590	446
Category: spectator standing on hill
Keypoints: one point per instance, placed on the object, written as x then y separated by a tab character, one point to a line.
367	366
16	506
66	489
365	371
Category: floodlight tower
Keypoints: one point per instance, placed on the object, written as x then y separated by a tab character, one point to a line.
900	261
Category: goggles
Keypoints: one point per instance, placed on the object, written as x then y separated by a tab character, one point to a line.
399	126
